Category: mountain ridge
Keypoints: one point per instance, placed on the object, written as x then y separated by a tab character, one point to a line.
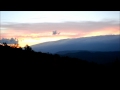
100	57
94	43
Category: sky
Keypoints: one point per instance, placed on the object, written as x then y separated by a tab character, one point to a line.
33	27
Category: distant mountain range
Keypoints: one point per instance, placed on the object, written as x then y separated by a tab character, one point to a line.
100	57
94	43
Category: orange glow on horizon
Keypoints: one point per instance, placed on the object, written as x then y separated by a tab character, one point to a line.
33	41
35	38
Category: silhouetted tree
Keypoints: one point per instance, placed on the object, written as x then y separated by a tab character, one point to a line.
5	44
28	48
16	45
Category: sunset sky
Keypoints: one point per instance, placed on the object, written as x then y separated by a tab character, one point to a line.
32	27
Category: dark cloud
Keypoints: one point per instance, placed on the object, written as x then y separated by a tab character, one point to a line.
9	41
55	32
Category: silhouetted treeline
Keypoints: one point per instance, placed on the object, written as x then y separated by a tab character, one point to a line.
25	60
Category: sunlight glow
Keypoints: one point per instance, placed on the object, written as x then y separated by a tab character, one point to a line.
33	27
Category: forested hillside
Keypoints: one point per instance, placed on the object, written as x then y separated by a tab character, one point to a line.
24	61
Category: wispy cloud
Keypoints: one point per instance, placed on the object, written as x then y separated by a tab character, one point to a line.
82	26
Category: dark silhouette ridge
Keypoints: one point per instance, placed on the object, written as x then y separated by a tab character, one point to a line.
100	57
51	66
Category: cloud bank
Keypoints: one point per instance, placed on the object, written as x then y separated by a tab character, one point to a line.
60	25
87	26
9	41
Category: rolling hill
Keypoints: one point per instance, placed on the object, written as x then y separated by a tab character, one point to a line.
95	43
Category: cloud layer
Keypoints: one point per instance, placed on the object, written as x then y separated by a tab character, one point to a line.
87	26
66	29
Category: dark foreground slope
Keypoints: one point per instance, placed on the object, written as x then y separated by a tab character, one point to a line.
19	63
